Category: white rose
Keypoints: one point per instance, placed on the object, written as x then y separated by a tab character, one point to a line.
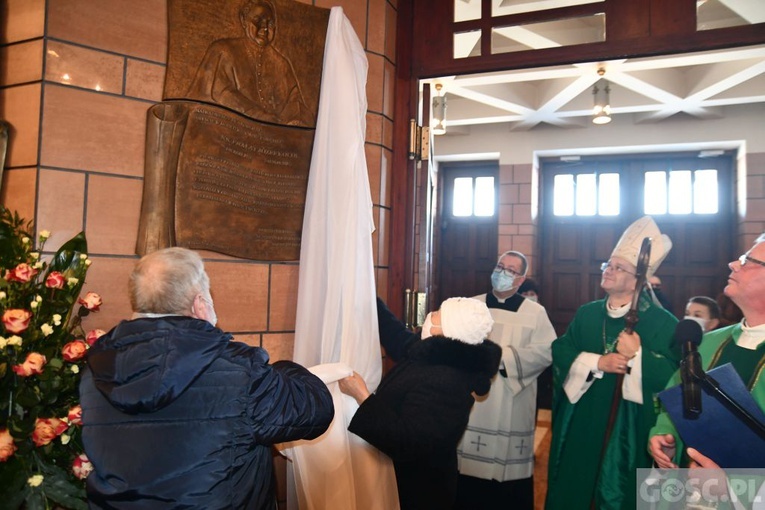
35	480
14	340
46	329
75	369
56	319
44	234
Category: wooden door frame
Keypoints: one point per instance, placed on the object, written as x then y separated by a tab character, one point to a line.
424	49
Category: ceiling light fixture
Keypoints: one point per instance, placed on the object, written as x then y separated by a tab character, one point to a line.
438	126
601	110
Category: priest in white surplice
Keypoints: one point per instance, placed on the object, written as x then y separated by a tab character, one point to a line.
496	455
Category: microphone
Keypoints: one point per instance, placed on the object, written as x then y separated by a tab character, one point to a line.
688	333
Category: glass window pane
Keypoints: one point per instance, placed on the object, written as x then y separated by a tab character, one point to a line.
586	195
705	199
467	44
462	203
711	14
655	193
608	195
548	34
507	7
563	195
484	196
680	192
465	10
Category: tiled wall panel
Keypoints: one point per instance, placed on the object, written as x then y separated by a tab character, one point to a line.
20	107
21	63
61	207
19	191
137	28
113	200
240	291
23	19
92	131
84	68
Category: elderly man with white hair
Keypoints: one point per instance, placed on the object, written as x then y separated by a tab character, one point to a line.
742	345
600	430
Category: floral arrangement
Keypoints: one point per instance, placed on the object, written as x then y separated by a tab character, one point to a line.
42	348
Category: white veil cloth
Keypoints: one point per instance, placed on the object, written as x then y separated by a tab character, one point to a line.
336	327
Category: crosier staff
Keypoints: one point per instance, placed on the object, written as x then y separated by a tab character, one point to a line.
631	319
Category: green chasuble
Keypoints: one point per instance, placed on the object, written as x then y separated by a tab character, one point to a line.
576	476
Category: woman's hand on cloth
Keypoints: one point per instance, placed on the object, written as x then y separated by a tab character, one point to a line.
354	386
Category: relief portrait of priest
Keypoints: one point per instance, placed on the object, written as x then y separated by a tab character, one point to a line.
250	75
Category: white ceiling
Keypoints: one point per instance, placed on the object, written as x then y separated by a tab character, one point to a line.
649	90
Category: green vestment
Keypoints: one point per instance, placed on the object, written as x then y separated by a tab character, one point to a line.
576	474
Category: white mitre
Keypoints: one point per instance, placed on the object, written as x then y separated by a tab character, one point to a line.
629	244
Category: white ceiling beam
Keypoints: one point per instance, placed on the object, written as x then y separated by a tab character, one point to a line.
725	76
752	11
526	37
490	100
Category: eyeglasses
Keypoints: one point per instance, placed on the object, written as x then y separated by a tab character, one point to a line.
743	259
607	265
499	268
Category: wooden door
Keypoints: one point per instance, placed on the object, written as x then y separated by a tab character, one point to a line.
468	228
575	242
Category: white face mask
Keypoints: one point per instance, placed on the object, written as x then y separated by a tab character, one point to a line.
701	322
213	318
426	326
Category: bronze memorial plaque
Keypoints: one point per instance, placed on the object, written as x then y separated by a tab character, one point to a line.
229	148
251	177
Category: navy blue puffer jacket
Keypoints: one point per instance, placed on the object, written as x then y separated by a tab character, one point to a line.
176	415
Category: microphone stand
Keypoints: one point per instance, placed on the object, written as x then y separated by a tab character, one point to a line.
714	388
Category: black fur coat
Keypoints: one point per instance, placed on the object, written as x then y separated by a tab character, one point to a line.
420	411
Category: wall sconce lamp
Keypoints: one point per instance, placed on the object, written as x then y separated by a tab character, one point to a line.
438	112
601	110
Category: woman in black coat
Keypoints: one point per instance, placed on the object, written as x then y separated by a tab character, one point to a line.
421	408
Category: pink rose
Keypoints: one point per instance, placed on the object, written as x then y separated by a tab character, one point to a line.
91	301
32	365
16	320
74	351
75	415
82	467
21	273
93	335
48	429
55	280
7	446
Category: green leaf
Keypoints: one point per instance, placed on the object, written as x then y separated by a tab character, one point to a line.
14	489
58	487
28	396
35	499
69	254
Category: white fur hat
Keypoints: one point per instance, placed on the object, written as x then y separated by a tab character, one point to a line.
629	244
466	319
